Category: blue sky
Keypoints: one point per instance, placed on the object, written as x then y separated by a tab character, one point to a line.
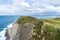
29	7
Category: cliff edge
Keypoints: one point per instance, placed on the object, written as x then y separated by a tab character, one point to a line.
23	28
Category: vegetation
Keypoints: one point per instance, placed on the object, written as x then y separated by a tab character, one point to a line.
38	25
58	19
37	30
41	31
24	19
53	32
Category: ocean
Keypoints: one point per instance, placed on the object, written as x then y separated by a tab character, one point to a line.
5	22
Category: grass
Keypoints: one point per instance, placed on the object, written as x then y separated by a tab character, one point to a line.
40	30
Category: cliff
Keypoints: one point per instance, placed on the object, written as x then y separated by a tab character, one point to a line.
23	28
30	28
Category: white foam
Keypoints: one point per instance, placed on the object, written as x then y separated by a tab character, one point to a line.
10	25
2	33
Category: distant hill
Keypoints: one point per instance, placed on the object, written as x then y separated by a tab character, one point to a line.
53	21
57	18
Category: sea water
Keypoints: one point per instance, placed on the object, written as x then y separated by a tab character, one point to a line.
6	22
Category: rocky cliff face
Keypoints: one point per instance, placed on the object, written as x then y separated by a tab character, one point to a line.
24	29
20	31
11	32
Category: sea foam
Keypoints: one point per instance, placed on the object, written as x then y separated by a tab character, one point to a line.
2	33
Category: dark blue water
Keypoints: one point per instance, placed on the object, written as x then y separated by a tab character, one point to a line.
6	20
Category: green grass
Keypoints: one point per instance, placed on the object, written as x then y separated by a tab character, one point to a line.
49	31
53	21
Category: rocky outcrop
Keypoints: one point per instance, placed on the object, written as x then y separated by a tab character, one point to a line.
19	31
24	29
11	32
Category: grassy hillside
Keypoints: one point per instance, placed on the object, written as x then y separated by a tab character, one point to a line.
45	29
52	26
54	21
38	25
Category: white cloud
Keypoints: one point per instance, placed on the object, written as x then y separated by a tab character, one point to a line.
52	8
30	6
8	8
53	2
25	4
14	7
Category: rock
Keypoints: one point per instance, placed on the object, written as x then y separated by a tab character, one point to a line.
20	31
23	29
11	31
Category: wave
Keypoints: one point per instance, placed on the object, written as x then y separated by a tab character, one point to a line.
2	33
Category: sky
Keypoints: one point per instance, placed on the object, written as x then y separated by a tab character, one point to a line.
30	7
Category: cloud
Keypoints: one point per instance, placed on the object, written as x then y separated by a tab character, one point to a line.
52	8
8	9
53	2
14	7
25	4
30	7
